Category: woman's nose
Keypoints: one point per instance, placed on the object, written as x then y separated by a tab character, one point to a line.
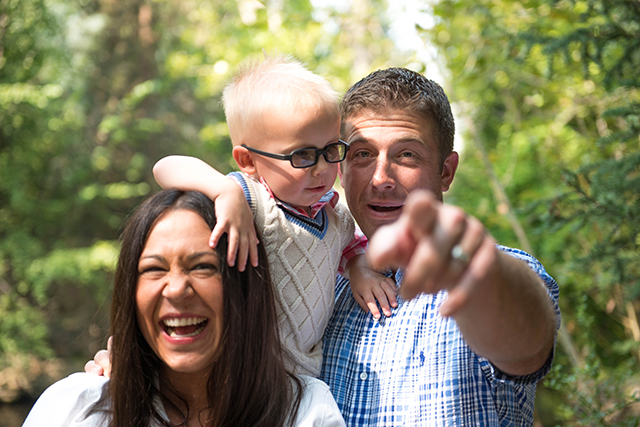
178	286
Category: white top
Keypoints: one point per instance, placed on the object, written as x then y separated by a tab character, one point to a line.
67	402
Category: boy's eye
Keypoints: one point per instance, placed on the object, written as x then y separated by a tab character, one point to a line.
306	154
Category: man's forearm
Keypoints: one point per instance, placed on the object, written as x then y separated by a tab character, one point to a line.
510	320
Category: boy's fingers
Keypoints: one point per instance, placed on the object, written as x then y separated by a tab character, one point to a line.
243	250
232	250
215	236
390	291
370	301
253	252
373	308
381	295
361	302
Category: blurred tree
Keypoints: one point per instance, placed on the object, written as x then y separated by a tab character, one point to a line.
92	94
550	95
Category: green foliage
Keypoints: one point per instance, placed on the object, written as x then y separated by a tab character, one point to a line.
92	94
551	89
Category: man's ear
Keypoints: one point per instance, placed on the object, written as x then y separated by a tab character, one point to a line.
243	158
449	170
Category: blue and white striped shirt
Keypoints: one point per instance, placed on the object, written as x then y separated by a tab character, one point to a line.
415	369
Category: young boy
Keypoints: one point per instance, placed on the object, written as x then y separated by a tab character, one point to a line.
284	124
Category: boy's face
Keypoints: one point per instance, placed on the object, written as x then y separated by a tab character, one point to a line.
281	132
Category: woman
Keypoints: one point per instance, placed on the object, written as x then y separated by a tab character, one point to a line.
194	341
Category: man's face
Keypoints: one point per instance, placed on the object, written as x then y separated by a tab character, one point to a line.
391	154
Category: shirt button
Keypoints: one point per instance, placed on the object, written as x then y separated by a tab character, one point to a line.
364	376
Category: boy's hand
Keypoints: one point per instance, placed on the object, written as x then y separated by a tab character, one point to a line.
234	217
368	285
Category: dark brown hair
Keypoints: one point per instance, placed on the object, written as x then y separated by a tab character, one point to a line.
248	385
402	89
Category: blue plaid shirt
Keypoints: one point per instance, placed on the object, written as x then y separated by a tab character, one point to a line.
415	369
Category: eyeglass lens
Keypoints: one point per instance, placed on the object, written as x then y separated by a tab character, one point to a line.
306	157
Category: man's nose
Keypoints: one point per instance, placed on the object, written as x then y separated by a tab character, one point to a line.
177	286
383	176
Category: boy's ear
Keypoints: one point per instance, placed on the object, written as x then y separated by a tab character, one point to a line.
243	158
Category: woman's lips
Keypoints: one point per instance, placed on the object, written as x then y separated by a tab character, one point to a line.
184	327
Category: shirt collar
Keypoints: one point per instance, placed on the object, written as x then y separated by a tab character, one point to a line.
331	197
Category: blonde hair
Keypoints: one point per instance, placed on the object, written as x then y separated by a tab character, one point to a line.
278	83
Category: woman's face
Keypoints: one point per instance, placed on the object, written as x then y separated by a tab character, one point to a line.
179	294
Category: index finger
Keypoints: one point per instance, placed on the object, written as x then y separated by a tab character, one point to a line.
393	245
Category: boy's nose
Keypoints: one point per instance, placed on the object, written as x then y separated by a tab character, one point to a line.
321	167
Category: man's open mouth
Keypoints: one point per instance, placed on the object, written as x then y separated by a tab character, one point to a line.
378	208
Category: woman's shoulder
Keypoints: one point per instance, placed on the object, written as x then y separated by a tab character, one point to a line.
68	402
318	407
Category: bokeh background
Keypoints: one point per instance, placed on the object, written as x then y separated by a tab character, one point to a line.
546	97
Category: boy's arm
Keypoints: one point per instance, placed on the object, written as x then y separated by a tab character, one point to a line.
233	215
367	286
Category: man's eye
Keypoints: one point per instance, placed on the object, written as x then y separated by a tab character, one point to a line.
362	154
407	154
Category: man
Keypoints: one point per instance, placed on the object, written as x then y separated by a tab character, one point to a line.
470	359
474	329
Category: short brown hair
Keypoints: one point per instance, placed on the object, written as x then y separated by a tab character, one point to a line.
402	89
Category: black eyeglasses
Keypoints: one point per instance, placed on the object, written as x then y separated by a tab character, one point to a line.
307	157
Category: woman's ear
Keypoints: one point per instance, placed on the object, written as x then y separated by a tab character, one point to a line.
243	158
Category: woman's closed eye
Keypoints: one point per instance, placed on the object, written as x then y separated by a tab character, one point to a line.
151	269
206	269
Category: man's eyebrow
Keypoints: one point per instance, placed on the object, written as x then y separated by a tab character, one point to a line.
358	139
402	140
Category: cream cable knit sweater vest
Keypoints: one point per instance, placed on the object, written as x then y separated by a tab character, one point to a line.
303	260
